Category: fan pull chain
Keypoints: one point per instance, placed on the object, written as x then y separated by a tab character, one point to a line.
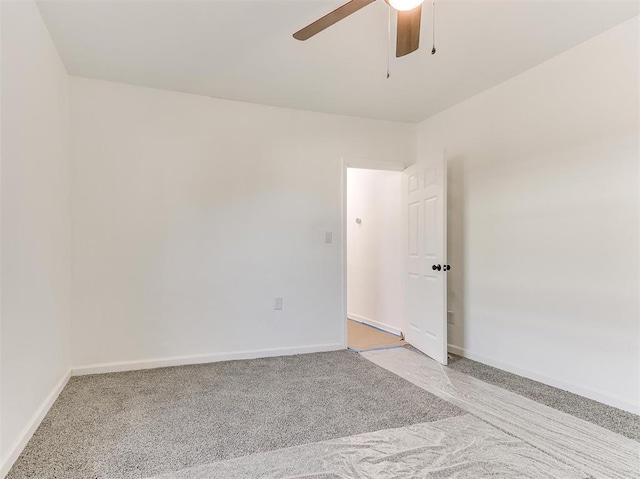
389	43
433	27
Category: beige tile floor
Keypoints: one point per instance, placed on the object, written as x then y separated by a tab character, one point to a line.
361	337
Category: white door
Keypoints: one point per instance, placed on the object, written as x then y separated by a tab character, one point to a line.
424	226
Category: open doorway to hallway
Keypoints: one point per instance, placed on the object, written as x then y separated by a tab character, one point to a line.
375	293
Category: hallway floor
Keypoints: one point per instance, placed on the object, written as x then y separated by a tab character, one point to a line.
362	337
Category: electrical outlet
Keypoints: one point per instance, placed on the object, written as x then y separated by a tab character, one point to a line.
277	305
450	317
328	237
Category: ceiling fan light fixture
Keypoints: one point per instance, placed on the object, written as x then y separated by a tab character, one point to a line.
405	5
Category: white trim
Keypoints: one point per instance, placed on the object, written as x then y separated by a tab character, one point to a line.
375	324
200	359
18	446
343	256
367	164
611	400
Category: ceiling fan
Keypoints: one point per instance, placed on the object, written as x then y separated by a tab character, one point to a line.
408	26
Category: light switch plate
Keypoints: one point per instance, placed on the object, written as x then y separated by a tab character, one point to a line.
328	237
277	304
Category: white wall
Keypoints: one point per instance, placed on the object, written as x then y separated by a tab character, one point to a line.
192	214
543	219
374	256
35	223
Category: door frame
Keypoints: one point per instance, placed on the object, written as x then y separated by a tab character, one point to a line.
365	164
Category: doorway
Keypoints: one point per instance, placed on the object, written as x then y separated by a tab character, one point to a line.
374	259
395	257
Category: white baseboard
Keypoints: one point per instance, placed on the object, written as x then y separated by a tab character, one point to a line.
18	446
615	401
200	359
375	324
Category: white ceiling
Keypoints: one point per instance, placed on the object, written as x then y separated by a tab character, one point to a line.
243	50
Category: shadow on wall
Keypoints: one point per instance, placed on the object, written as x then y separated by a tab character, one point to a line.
456	249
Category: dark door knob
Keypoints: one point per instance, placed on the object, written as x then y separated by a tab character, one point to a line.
446	267
436	267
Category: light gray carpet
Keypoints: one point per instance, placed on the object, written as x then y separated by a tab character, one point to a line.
142	423
611	418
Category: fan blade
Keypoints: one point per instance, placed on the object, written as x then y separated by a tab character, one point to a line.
408	31
331	18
